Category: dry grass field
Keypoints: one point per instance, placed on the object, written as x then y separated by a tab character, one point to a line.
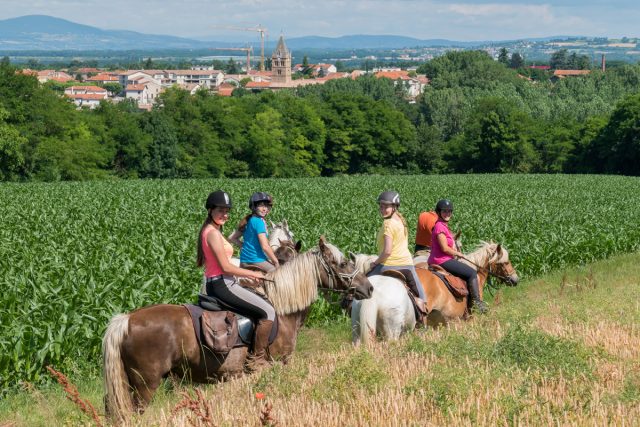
563	349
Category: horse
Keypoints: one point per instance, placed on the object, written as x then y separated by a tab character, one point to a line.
279	233
390	313
142	347
489	260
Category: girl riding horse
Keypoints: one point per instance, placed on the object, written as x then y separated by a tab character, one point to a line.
444	254
214	253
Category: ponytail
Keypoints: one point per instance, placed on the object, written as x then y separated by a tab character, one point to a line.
404	222
242	225
200	249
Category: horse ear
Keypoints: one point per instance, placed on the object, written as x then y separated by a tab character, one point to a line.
499	249
284	224
281	242
272	224
298	245
352	256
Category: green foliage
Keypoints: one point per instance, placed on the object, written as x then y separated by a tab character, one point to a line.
529	349
360	373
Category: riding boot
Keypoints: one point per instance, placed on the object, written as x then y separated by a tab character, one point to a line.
474	290
257	359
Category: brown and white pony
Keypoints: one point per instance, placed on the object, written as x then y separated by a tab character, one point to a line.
143	347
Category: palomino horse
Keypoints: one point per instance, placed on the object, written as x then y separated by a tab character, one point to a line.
389	312
142	347
489	259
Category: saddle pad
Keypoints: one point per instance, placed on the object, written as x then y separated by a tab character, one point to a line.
456	285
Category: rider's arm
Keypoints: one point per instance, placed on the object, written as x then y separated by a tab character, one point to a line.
442	241
266	248
235	238
214	240
386	251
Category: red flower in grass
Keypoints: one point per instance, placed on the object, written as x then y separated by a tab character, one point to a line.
259	396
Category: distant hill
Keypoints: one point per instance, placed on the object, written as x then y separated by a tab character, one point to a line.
41	32
370	42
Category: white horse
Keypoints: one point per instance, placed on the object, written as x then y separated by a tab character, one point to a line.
389	312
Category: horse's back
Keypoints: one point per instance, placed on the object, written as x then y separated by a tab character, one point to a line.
440	301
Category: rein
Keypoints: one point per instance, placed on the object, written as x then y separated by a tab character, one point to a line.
343	277
489	285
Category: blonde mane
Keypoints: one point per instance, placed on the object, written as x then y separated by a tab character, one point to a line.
485	254
295	284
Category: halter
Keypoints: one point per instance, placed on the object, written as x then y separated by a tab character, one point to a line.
343	277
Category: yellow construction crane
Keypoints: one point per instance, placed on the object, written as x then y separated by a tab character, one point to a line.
260	29
249	51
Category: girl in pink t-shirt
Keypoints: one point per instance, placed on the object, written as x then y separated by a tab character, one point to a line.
444	254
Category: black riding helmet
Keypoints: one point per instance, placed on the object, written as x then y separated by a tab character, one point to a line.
444	204
390	197
259	197
218	199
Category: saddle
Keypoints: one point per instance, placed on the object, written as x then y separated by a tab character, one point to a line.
219	329
419	306
456	285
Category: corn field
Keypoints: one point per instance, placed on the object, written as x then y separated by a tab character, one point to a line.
74	254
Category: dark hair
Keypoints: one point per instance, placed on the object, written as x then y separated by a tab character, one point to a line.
242	225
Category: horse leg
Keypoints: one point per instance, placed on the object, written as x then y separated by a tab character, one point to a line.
355	322
144	385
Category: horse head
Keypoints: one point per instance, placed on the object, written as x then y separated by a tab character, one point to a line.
279	232
500	266
341	274
287	250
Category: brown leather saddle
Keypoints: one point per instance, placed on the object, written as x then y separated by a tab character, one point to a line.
455	284
419	306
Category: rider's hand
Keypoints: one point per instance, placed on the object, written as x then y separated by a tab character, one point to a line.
257	275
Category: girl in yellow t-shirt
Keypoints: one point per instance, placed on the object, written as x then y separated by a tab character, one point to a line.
393	243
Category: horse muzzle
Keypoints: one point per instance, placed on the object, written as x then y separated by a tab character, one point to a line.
363	292
512	280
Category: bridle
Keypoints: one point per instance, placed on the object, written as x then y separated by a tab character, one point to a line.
489	285
336	277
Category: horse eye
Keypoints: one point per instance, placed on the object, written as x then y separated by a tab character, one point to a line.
343	264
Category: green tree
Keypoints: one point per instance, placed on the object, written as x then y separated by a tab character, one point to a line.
503	57
517	61
559	60
232	67
618	146
11	147
148	64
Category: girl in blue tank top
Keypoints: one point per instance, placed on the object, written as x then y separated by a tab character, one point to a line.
255	249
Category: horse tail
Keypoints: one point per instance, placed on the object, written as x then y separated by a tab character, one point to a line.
368	320
117	398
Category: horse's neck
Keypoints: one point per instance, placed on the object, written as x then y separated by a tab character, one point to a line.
295	284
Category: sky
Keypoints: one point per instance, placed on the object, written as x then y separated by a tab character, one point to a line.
424	19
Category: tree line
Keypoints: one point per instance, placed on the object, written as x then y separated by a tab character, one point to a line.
477	115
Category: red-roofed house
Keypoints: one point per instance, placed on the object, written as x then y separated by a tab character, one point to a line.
59	76
540	67
103	78
226	89
144	93
415	85
566	73
86	96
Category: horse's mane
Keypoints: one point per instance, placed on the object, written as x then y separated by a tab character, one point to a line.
295	284
363	262
487	253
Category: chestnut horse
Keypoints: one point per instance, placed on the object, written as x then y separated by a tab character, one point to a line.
489	259
142	347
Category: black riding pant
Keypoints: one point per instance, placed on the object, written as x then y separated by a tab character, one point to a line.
461	270
239	299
